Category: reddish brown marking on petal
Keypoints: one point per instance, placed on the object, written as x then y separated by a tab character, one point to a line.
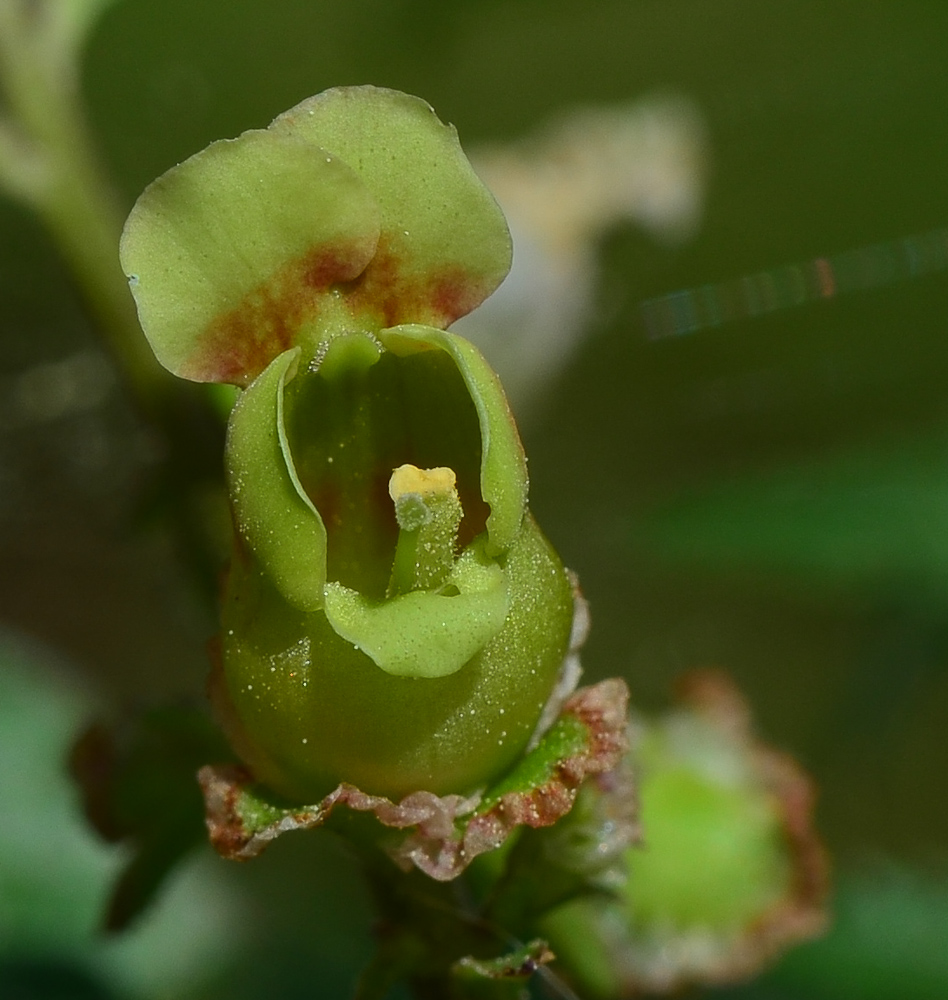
237	345
379	292
394	293
320	269
455	295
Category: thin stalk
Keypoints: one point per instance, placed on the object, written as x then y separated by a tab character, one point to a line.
49	161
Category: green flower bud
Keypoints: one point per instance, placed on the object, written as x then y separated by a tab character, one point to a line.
730	871
393	617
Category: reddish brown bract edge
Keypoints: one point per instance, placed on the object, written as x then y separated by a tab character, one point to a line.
443	840
602	709
801	914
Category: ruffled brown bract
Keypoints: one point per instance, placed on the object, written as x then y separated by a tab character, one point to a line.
664	963
446	832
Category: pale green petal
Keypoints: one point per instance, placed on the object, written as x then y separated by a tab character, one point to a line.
234	252
444	245
424	634
273	514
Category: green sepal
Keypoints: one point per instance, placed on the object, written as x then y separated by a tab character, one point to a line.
306	709
272	513
496	978
715	856
729	871
722	854
444	244
234	253
425	634
566	738
503	474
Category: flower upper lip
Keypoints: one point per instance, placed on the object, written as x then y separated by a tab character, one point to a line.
356	209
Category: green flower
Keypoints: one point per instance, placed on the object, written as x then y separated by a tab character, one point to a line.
393	617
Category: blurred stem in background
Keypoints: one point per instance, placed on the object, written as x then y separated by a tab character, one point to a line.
48	161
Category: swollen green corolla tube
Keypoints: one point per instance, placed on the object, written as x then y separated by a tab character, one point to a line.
392	617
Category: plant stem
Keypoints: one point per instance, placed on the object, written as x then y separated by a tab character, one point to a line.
48	160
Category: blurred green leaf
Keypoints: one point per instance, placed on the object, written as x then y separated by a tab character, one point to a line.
872	514
887	941
80	16
55	875
140	785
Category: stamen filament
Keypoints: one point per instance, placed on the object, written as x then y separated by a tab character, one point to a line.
429	513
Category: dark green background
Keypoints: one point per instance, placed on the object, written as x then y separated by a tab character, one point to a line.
770	496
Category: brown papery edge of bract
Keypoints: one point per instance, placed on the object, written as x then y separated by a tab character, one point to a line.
445	833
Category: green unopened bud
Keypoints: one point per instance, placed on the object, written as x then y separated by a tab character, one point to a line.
729	871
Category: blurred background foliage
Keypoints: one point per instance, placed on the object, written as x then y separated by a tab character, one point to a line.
769	495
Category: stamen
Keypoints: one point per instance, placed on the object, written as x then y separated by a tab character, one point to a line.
429	514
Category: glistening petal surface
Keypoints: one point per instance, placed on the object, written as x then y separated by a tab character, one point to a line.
444	244
235	252
272	513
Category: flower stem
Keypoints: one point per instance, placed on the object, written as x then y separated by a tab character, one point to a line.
48	161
